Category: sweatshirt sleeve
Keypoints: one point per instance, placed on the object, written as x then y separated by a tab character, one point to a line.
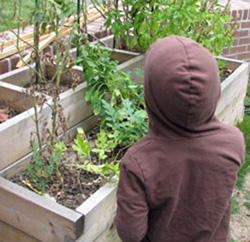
132	211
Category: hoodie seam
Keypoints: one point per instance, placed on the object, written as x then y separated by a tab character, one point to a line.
191	82
142	175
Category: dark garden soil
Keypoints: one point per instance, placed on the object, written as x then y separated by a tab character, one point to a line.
225	73
6	112
75	188
77	185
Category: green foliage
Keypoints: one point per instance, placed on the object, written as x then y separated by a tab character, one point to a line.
245	169
40	170
118	101
81	145
221	65
125	122
147	21
112	170
235	205
105	143
60	147
52	9
247	100
103	79
9	17
247	205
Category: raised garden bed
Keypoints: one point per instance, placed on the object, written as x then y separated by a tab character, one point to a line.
38	218
75	108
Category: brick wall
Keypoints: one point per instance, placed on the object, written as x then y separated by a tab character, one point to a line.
241	46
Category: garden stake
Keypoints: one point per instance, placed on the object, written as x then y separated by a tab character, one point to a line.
78	27
36	39
116	7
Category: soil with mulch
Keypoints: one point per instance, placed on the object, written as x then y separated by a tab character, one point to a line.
77	185
6	112
75	188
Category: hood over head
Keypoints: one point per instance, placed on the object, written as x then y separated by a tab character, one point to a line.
181	88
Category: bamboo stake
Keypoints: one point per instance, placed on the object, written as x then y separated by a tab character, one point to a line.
21	46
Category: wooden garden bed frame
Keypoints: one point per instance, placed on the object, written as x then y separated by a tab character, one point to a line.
30	217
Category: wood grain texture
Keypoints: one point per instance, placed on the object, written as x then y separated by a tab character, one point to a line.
230	107
19	77
11	234
99	211
37	216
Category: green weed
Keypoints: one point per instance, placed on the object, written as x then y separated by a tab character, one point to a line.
235	205
245	128
9	13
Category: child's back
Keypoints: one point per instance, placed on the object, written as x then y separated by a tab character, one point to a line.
176	183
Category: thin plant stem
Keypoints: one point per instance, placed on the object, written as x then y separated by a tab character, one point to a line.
36	39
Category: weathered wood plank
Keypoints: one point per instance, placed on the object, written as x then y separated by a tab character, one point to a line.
14	96
109	235
233	65
20	127
99	211
137	62
11	234
75	108
230	107
18	77
38	216
15	132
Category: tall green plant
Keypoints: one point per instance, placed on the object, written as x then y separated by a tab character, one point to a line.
49	16
205	21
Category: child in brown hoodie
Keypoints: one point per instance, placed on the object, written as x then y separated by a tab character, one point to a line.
176	183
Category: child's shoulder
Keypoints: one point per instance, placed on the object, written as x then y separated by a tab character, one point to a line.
232	132
140	145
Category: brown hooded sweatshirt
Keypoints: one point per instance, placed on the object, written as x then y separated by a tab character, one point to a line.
176	183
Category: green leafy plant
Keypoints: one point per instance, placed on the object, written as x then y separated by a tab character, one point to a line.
81	145
83	149
125	122
147	21
105	143
112	170
104	81
40	170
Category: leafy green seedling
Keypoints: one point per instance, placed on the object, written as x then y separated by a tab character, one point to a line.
81	145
